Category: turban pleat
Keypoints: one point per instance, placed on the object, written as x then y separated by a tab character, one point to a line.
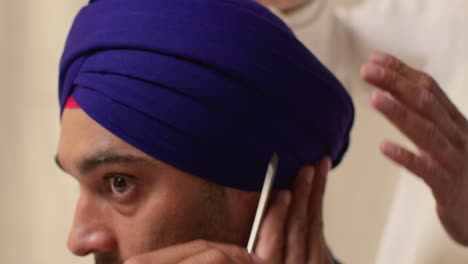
212	87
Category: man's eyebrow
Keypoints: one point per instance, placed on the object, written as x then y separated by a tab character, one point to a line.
107	158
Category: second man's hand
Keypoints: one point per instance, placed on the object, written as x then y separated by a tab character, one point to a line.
418	107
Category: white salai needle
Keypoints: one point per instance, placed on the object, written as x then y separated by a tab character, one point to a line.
263	201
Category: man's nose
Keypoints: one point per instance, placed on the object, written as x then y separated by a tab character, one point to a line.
90	232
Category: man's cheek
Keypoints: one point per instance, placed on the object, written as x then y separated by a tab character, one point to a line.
139	236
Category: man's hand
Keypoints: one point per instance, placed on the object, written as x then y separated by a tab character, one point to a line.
419	108
299	238
291	232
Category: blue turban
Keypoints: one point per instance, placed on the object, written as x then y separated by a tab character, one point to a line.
212	87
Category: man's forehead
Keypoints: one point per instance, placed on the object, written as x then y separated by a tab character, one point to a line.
80	134
82	139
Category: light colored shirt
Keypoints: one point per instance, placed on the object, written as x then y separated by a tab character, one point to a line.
376	212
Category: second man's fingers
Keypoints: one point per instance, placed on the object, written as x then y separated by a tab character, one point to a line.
422	83
391	62
436	177
423	133
410	94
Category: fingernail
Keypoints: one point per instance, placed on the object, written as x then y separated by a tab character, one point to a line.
382	102
390	149
380	58
286	197
373	72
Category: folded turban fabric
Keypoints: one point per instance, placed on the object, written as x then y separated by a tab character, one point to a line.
212	87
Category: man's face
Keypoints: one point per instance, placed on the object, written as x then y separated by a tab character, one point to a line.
131	203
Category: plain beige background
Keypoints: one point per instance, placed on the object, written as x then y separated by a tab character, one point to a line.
38	200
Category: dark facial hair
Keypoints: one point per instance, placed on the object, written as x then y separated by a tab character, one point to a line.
106	259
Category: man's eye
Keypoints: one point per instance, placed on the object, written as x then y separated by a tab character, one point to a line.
119	184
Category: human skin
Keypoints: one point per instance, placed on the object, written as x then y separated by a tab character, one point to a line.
421	110
418	107
122	224
135	209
